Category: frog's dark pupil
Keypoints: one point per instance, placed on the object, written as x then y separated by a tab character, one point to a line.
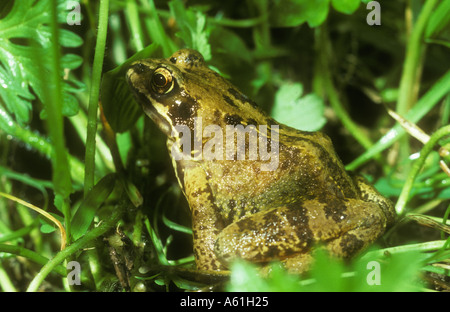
159	80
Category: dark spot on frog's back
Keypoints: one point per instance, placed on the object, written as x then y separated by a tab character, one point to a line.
194	59
184	112
334	208
229	100
351	244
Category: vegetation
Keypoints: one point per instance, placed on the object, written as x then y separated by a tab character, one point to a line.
85	177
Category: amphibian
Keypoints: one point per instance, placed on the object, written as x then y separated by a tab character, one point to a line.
239	208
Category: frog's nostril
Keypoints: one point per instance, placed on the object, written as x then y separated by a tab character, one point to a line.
139	68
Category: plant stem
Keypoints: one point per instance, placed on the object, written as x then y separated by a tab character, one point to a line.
422	107
427	148
76	246
155	29
89	179
327	86
5	282
136	31
30	255
424	247
53	104
412	67
414	49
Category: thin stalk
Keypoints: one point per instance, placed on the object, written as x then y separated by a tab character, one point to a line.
30	255
414	49
89	179
5	282
326	83
427	148
155	29
53	104
422	107
423	247
102	228
134	21
412	68
11	236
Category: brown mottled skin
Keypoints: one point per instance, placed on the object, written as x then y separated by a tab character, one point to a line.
239	210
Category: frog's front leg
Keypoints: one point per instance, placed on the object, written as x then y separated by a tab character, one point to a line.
206	222
343	227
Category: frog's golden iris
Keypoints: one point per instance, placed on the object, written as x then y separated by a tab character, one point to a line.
161	81
240	211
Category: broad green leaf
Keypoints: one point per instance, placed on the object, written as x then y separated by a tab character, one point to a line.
345	6
439	19
94	200
119	106
47	228
25	35
229	42
290	13
297	111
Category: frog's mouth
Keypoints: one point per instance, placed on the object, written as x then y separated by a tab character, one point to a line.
157	118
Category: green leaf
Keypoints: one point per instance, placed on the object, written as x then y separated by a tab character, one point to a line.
194	30
230	43
244	278
441	42
25	33
439	19
345	6
119	106
47	228
297	111
290	13
398	272
71	61
69	39
94	199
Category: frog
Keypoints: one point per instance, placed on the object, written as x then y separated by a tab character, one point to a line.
239	210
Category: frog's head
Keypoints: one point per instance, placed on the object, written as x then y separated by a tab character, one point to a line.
176	90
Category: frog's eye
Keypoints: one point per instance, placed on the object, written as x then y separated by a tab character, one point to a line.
162	81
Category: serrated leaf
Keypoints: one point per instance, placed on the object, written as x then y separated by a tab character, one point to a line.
297	111
194	30
25	35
